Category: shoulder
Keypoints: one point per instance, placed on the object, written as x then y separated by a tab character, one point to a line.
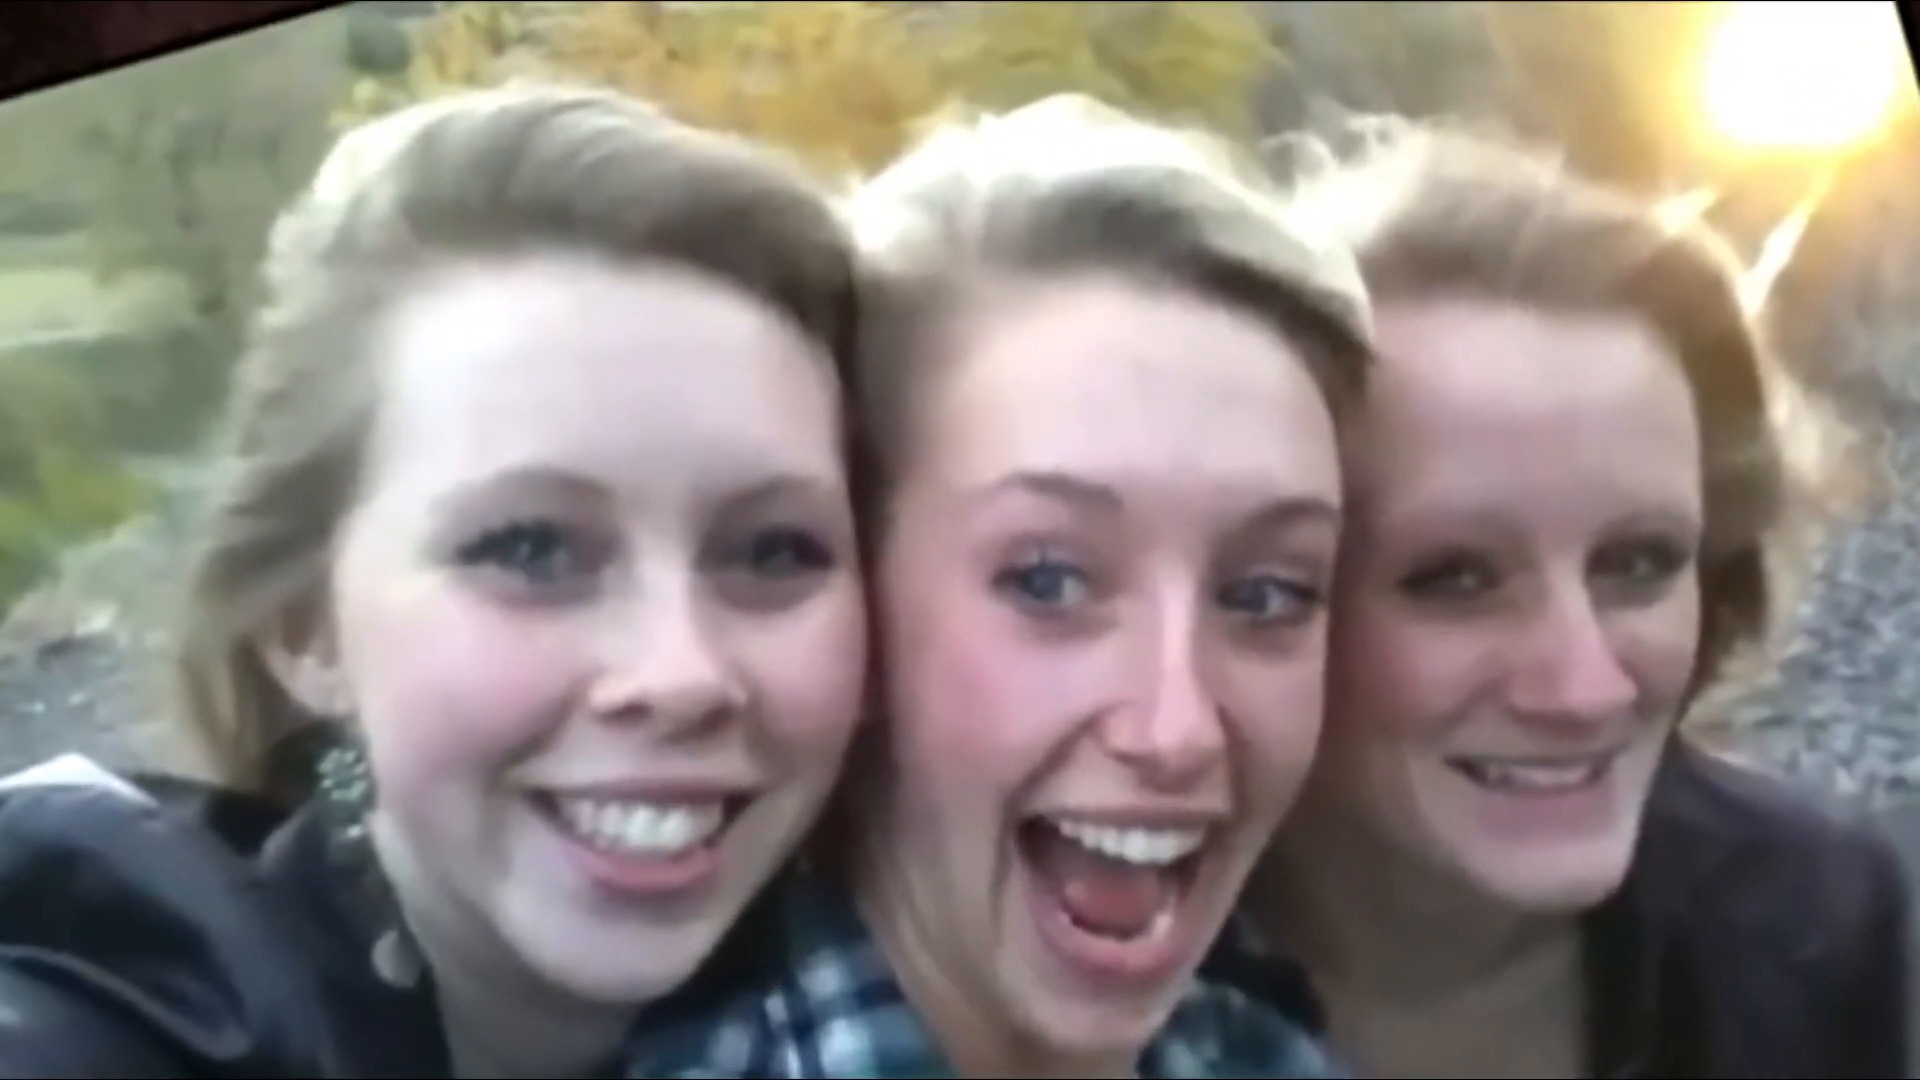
799	988
128	915
1798	901
1772	855
1219	1030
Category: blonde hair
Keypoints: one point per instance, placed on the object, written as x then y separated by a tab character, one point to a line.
1432	211
1068	184
478	174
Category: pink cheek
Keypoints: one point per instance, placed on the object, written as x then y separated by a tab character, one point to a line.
813	675
960	689
1276	710
454	684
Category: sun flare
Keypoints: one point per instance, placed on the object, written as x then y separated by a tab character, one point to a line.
1787	75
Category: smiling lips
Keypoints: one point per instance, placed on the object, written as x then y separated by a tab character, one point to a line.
642	829
1116	882
1536	776
655	846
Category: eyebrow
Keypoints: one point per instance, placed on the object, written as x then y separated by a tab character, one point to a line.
776	487
1062	486
544	479
560	484
1293	511
1281	513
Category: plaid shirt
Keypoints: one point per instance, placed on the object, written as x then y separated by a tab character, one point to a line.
833	1009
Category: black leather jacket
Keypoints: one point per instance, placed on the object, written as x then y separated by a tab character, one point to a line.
192	934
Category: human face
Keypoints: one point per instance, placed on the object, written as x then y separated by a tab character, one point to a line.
599	611
1519	613
1101	590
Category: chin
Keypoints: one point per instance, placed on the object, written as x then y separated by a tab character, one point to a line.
1568	880
618	969
1089	1030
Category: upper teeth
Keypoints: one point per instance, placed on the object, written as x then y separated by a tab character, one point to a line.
1146	847
651	828
1534	775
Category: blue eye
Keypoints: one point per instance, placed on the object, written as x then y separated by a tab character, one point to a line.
539	551
785	552
1044	582
1265	599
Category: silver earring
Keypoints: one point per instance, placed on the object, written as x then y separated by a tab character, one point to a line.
345	787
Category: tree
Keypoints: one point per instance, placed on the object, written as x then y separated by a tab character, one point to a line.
377	44
844	83
1378	56
188	158
173	168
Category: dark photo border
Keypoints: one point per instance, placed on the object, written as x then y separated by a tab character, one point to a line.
47	42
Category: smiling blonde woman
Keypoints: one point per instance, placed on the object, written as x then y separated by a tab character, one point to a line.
1570	490
526	627
1098	402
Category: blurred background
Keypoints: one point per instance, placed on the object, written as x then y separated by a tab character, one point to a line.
133	207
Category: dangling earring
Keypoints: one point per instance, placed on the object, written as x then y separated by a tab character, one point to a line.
345	788
344	782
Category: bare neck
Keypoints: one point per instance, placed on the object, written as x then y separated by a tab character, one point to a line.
1420	977
502	1022
1365	918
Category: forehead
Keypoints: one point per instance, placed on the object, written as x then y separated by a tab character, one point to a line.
1472	398
627	374
1129	382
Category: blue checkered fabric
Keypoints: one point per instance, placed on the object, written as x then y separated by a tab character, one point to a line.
832	1009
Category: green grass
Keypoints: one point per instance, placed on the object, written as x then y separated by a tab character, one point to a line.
44	297
39	251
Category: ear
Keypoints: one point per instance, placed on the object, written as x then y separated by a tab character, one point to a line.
302	657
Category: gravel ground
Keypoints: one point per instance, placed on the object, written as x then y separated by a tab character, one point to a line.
77	692
1843	712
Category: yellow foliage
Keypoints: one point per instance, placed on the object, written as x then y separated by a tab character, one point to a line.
843	83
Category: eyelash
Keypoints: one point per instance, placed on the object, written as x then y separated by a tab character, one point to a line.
1306	600
1018	578
507	548
543	554
1015	578
1438	580
798	552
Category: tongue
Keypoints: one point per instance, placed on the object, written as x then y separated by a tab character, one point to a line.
1105	896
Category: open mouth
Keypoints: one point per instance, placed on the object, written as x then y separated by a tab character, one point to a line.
642	845
1538	777
1114	884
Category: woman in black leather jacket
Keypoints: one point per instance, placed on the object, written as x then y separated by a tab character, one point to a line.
1569	489
536	524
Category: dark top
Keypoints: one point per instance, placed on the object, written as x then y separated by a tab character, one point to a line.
171	930
1758	936
197	934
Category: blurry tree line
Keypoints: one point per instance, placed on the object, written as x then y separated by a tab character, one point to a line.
145	194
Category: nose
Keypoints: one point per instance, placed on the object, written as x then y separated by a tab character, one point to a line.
1171	736
663	665
1570	669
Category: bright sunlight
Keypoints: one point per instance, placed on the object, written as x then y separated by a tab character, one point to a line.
1805	76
